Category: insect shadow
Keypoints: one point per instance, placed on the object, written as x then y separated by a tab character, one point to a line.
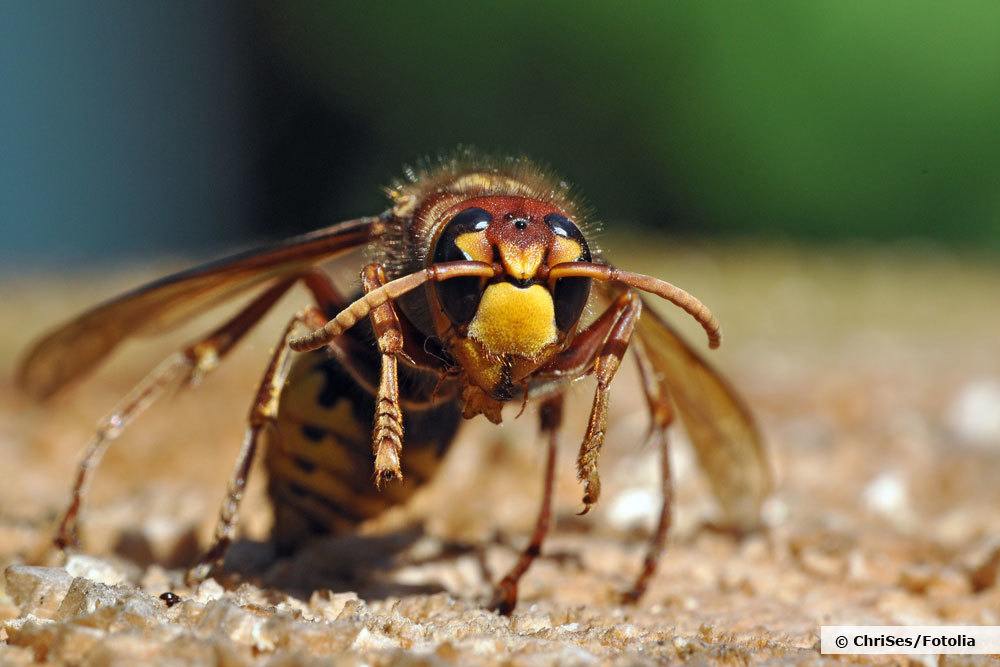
370	564
365	564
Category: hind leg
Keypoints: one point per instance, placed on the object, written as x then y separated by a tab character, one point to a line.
185	368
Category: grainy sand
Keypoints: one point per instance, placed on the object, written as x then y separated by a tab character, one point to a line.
876	377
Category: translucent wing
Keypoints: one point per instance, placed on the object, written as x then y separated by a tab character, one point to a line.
726	439
70	351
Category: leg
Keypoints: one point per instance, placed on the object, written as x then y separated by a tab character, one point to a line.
605	367
505	594
185	368
661	415
387	434
579	358
263	413
188	367
169	373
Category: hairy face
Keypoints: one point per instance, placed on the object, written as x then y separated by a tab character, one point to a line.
517	319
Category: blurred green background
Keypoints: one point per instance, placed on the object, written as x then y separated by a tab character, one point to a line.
137	129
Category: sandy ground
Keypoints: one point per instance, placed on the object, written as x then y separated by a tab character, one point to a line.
875	375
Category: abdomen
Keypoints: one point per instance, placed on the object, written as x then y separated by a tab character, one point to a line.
320	463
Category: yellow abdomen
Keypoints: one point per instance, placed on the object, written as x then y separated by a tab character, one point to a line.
320	463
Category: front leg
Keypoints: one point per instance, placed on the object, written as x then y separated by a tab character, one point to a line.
387	432
605	367
598	349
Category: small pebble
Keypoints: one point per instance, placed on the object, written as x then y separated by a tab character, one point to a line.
95	569
39	590
974	414
170	599
634	508
887	494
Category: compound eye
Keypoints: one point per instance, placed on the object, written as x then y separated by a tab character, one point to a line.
460	296
571	294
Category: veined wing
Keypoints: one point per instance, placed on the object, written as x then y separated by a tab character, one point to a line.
73	349
723	432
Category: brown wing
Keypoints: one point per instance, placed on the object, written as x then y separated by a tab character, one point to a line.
726	439
73	349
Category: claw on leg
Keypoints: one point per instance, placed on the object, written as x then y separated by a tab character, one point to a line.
504	597
388	431
590	450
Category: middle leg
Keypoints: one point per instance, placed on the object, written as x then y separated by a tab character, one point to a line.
505	593
263	413
661	415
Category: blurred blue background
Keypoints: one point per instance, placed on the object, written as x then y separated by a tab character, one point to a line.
137	129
